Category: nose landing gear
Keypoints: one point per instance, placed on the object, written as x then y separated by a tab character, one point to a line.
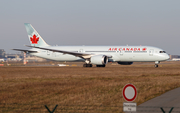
156	64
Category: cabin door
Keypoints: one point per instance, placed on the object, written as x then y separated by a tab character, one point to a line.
151	51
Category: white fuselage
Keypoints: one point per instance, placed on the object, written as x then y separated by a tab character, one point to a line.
117	53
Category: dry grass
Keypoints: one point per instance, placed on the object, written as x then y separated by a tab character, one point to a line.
37	86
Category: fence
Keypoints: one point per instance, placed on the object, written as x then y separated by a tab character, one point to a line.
39	108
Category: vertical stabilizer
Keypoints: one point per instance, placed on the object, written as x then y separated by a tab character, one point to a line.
34	38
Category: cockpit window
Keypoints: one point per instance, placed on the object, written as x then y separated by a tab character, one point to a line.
162	51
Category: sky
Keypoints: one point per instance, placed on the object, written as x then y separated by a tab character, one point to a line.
92	22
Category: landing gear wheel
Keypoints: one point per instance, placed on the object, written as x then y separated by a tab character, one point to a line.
87	65
156	65
84	65
100	65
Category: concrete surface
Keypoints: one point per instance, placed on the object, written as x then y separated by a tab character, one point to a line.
166	101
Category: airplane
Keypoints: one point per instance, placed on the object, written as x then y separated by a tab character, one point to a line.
92	55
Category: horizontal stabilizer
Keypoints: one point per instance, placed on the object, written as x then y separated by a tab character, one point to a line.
29	51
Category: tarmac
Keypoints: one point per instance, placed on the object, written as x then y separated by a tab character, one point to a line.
169	101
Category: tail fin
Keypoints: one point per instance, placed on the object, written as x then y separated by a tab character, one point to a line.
34	38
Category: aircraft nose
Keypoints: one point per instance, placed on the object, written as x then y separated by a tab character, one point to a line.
167	57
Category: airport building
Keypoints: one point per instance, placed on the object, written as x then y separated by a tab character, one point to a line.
174	56
2	53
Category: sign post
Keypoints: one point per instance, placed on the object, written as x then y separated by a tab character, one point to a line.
129	94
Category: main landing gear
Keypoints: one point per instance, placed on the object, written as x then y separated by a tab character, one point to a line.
100	65
87	65
156	64
90	65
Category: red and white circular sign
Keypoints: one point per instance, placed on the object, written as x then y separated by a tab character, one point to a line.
129	92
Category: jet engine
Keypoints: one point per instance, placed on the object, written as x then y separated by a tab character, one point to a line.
99	59
125	63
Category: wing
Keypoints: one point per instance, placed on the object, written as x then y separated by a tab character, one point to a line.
29	51
82	55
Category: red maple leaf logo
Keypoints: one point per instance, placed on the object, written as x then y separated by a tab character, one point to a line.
144	49
34	39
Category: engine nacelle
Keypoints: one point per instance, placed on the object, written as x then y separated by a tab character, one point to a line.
99	59
125	63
